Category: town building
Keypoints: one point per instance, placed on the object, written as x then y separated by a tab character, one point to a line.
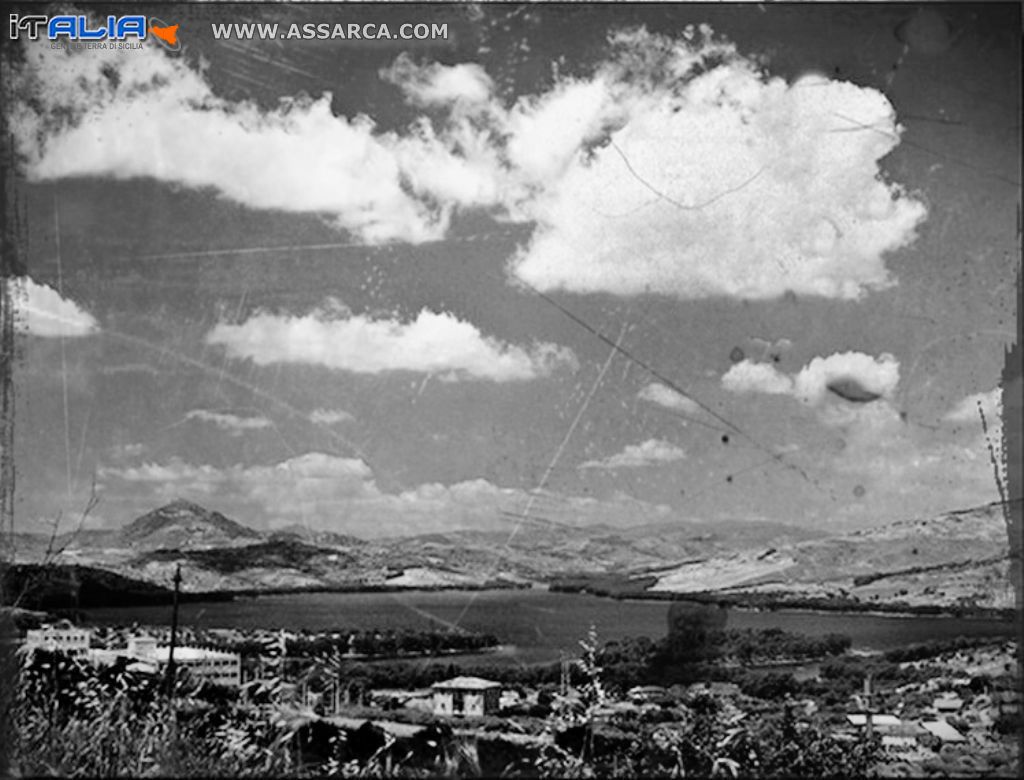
942	730
390	699
63	636
215	666
881	722
646	693
467	696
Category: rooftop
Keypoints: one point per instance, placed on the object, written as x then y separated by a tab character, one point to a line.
191	654
943	731
466	684
860	719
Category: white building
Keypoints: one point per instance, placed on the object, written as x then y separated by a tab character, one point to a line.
881	722
943	731
62	636
215	666
470	696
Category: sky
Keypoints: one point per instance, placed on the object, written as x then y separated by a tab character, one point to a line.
583	265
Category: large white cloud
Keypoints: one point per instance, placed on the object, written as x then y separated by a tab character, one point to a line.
150	115
41	311
433	343
727	183
649	453
676	167
870	377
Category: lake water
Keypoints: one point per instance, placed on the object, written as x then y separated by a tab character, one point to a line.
538	624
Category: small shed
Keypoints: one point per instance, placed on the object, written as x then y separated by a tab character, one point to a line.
469	696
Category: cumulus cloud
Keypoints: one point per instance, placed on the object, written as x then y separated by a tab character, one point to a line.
675	167
649	453
329	416
152	115
749	377
341	494
990	403
871	377
40	310
309	483
662	395
433	343
440	85
726	183
233	423
878	376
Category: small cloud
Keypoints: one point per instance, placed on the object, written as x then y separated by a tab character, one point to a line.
433	343
748	377
127	452
229	422
40	310
650	452
990	403
439	85
330	417
663	395
876	376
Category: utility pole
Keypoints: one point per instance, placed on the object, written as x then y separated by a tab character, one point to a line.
869	726
174	632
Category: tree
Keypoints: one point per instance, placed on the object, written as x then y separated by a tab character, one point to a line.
693	631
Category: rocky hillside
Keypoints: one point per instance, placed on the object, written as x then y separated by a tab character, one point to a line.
184	525
958	558
955	559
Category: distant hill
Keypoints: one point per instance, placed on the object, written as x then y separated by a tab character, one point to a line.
76	587
280	554
956	558
301	533
184	525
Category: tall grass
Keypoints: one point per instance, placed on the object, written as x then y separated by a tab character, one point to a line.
74	720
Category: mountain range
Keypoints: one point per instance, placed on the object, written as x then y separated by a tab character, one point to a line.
957	559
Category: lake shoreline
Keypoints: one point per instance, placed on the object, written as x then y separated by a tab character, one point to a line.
737	601
744	602
540	623
767	603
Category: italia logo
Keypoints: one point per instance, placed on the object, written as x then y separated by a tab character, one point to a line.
80	29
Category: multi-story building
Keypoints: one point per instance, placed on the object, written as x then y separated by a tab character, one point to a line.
63	636
215	666
470	696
